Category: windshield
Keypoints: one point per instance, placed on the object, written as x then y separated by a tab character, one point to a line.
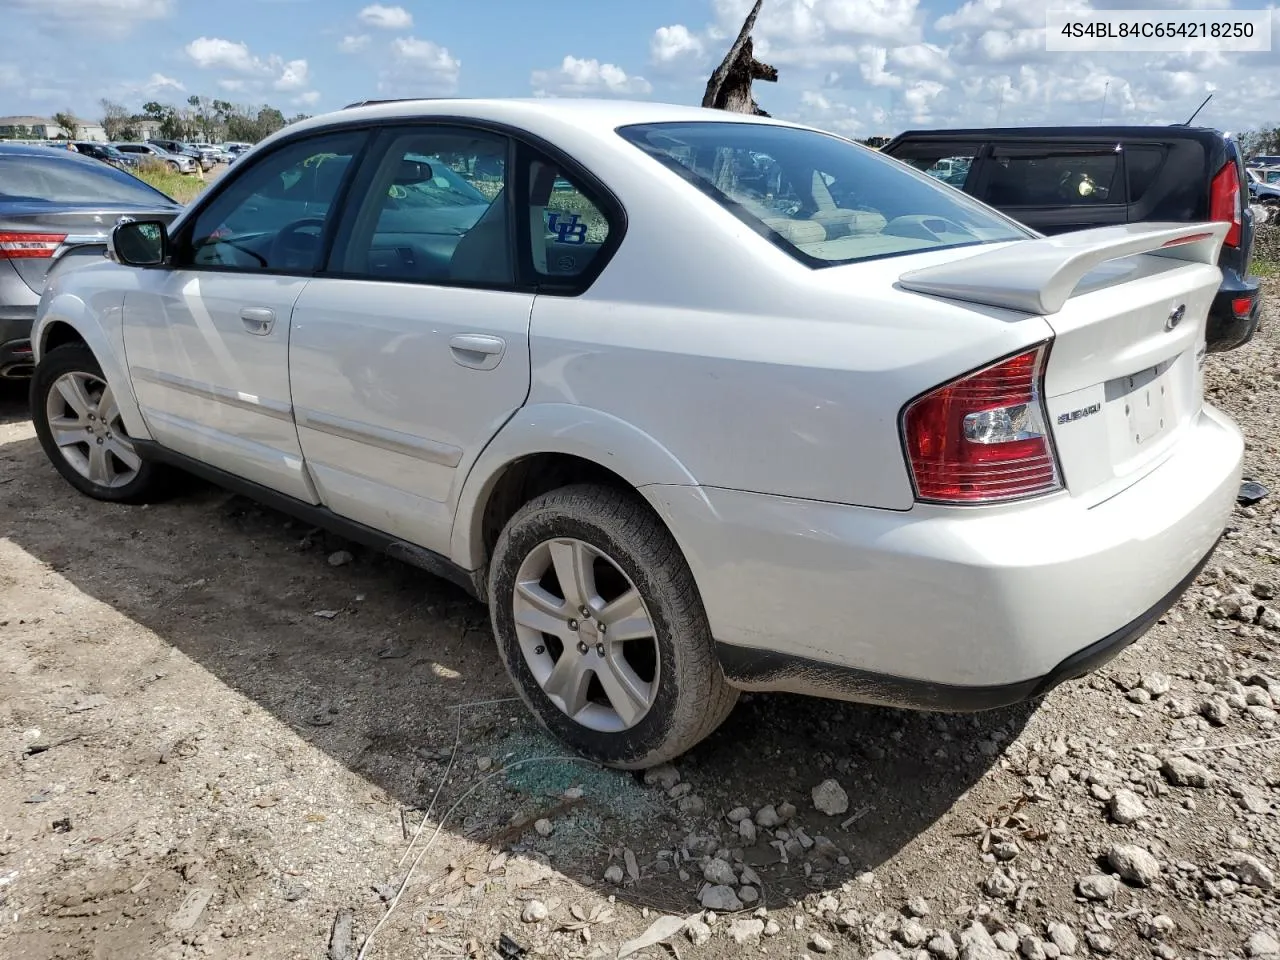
72	180
823	200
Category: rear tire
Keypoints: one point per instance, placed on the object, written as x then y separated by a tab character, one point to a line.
78	423
634	681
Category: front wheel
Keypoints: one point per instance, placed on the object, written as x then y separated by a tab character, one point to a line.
602	630
78	423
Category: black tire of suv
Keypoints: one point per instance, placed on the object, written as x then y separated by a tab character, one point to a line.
152	480
693	696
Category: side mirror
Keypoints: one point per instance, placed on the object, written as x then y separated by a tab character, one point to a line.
139	243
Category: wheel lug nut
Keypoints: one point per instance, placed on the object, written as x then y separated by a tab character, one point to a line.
582	647
586	612
573	624
99	439
539	650
600	649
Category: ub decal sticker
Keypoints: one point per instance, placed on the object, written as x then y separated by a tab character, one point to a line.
568	228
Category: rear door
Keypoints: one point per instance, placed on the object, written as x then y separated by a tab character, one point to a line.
413	350
1055	187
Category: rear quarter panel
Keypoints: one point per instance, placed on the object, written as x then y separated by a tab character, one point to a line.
756	372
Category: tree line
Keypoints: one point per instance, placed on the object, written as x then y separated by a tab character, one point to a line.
1264	141
200	118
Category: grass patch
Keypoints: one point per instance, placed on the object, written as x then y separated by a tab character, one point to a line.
181	187
1266	269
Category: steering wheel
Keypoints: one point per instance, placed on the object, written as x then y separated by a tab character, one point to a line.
285	248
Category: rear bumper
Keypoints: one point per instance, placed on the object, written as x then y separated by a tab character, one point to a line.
15	341
756	669
1229	327
946	608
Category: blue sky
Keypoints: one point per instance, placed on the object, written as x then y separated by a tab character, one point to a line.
855	66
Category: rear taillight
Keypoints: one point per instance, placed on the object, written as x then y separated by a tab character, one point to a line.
29	246
984	437
1224	202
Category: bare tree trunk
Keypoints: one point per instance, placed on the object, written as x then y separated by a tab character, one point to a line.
730	85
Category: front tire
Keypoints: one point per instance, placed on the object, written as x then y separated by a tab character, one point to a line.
602	630
78	423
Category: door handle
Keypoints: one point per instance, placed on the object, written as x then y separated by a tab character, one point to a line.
258	320
477	350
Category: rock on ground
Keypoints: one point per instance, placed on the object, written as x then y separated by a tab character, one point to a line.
829	798
1134	864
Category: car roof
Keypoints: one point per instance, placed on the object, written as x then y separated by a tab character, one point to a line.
592	116
1133	132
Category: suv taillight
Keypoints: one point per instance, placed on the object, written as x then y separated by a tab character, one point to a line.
29	246
983	437
1224	201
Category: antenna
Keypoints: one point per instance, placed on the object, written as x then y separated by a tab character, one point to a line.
1193	116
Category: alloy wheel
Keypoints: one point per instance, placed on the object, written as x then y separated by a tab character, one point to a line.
84	420
586	635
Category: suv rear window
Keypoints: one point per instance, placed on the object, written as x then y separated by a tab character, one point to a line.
823	200
1038	177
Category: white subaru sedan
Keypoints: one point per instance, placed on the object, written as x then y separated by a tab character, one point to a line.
695	402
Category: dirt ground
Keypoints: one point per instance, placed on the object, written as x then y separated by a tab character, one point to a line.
214	742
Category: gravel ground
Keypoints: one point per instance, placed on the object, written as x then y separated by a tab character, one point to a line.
221	734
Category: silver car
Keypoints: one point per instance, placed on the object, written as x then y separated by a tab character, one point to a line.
180	163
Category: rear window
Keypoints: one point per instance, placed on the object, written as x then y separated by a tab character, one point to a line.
1036	177
72	180
822	199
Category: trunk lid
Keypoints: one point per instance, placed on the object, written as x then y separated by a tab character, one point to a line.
1128	307
84	229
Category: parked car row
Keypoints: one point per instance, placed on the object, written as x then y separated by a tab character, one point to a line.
1264	184
183	157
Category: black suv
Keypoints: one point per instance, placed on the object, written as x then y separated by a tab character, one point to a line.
1057	179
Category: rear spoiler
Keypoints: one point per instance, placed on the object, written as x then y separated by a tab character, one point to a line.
1038	276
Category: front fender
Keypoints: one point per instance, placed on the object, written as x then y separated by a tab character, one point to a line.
560	428
97	317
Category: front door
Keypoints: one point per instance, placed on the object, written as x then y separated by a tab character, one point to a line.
207	340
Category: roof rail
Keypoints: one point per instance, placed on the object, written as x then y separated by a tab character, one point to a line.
372	103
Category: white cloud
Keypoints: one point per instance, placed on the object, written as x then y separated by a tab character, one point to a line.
308	99
354	44
294	76
255	73
214	52
419	68
158	83
872	67
813	32
387	18
674	43
576	77
111	17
